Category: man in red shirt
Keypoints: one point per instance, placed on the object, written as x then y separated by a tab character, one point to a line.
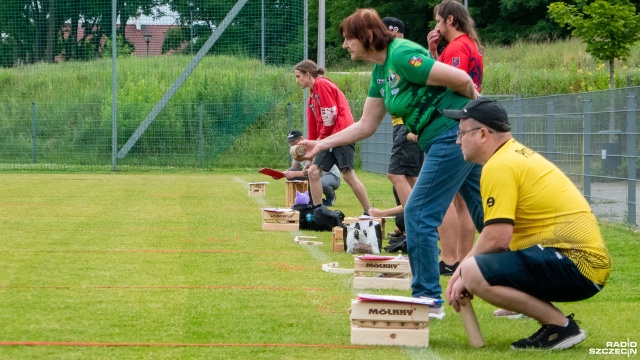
463	50
328	113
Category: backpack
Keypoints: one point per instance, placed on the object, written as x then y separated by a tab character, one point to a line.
318	217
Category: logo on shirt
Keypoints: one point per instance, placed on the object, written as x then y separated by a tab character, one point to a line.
491	201
393	79
455	62
415	61
380	81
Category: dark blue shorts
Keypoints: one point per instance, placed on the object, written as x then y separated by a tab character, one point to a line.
541	272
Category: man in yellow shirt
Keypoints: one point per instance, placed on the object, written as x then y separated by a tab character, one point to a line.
540	242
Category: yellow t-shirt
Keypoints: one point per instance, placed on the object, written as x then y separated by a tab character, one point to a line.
521	187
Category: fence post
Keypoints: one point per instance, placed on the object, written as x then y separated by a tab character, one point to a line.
289	125
551	137
200	137
586	151
33	133
518	127
631	159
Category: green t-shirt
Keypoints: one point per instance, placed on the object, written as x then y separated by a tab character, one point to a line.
402	84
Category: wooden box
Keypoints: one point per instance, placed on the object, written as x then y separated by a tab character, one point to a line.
389	323
337	242
381	274
258	188
280	220
291	187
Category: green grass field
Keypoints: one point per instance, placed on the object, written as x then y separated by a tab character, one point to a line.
176	266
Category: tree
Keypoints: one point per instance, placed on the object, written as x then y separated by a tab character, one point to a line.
608	28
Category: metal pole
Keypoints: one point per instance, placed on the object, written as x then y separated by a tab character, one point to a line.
631	159
191	25
33	133
263	32
114	88
201	136
586	151
289	123
321	32
305	94
550	131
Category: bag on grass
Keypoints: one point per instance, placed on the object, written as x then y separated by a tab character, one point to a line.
362	237
318	217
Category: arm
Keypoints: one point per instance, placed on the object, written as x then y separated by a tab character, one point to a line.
372	116
456	79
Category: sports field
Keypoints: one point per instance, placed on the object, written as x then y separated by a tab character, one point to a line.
175	266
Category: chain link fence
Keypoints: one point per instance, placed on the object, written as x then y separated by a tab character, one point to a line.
592	137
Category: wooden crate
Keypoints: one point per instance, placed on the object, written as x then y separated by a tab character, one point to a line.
381	274
337	242
291	187
389	323
279	220
258	188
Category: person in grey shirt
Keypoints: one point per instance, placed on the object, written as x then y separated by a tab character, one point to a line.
298	171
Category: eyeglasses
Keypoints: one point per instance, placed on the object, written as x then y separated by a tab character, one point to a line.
459	133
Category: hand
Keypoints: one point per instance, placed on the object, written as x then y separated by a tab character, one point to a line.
455	290
433	39
287	175
375	212
313	147
412	137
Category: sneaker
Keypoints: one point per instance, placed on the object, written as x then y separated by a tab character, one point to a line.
508	314
436	312
552	337
329	201
397	239
448	270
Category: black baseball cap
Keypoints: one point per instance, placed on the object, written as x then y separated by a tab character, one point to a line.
394	24
485	111
293	136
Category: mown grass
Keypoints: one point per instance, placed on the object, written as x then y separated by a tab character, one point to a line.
180	258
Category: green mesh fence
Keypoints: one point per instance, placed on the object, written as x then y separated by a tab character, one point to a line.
56	82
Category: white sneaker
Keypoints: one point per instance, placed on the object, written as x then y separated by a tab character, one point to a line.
436	312
508	314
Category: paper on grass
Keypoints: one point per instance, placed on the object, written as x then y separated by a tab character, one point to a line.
400	299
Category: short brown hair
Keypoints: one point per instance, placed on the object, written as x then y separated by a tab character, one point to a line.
366	26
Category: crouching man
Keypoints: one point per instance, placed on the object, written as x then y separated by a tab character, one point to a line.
540	243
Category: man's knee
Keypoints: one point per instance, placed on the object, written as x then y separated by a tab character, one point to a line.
471	276
314	172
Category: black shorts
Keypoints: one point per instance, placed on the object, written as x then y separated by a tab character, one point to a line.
343	157
406	156
541	272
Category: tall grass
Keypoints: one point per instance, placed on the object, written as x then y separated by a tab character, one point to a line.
245	104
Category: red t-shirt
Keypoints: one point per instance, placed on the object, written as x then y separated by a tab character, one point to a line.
463	53
328	111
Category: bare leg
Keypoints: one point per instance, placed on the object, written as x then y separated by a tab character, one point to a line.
359	190
449	233
315	184
467	230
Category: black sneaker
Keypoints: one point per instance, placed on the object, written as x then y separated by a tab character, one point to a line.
329	201
397	239
448	270
552	337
